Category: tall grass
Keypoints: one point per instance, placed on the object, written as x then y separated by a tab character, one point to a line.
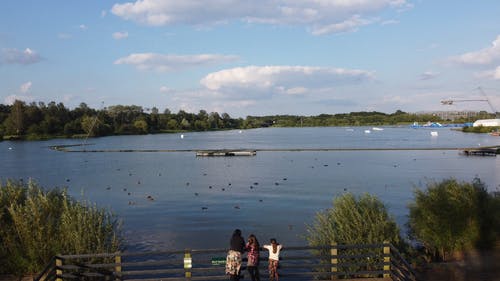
37	224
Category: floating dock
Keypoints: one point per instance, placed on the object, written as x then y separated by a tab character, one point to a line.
209	153
481	152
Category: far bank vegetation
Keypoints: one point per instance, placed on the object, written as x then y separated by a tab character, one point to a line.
39	120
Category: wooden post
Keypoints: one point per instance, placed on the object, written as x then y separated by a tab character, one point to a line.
334	260
188	264
59	272
387	259
118	267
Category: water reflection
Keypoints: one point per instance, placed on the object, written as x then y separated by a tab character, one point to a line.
171	200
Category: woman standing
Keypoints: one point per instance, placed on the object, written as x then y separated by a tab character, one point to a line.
233	259
253	257
274	257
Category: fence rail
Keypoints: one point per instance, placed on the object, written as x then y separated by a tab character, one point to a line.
382	261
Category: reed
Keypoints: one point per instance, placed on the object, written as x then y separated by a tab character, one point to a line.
38	224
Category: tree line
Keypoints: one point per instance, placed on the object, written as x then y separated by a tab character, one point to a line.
39	120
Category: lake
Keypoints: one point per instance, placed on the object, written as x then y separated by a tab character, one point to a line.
175	200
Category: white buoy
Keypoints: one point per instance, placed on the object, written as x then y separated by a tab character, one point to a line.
367	131
10	148
240	131
434	133
182	136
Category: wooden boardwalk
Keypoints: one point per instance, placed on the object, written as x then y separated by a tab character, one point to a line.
375	261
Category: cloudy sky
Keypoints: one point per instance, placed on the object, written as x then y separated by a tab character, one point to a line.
252	57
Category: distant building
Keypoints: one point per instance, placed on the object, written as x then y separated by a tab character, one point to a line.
487	123
450	115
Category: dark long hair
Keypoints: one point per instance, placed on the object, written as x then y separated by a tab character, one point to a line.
252	239
274	243
236	232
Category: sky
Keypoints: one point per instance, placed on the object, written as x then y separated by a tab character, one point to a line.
299	57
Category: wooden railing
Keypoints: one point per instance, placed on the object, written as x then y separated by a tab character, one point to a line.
382	261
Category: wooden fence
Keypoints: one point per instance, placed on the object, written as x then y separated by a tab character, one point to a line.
380	261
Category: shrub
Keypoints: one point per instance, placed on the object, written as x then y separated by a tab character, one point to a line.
38	224
452	216
479	129
354	220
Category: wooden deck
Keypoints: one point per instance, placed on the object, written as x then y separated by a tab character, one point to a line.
373	262
481	152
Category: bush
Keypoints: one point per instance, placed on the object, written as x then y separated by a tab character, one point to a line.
354	220
479	129
452	217
38	224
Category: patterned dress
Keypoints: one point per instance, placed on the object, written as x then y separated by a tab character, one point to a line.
233	262
253	255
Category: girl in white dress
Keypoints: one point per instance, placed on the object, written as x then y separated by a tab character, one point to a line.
274	257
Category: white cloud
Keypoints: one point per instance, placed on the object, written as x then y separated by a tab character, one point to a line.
194	100
296	91
427	99
490	74
165	89
348	25
68	98
12	98
15	56
103	13
25	87
320	16
389	22
83	27
486	56
272	89
120	35
428	75
161	62
282	79
64	36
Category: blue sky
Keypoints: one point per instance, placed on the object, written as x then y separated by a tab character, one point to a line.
252	57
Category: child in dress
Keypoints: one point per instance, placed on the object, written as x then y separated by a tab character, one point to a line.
274	257
252	248
233	259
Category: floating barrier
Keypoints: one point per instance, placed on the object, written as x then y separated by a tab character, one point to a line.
209	153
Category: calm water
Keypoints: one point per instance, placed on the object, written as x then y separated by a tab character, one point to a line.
199	201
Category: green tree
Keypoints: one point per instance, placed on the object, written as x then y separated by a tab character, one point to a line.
88	125
15	123
185	125
172	124
352	220
141	126
452	216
